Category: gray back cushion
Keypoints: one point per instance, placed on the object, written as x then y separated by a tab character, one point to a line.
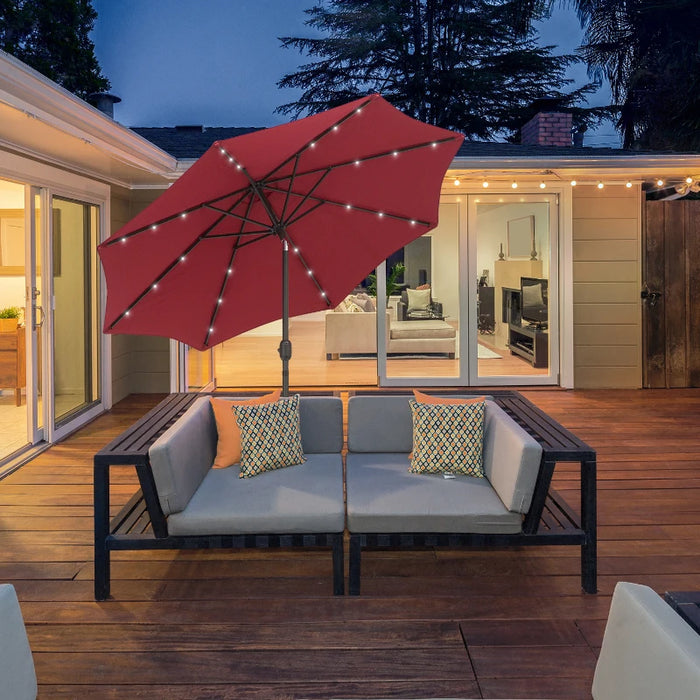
321	419
379	424
511	459
183	454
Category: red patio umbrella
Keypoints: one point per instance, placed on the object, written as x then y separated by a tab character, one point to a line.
313	205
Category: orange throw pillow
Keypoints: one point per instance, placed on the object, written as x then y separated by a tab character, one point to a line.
228	447
426	398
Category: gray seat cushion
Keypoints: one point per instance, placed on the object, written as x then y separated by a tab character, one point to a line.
383	497
421	329
305	498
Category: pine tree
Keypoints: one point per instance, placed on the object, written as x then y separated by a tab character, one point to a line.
465	65
53	37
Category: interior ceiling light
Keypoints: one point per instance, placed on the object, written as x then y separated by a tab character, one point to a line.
573	183
689	181
456	182
628	184
660	182
600	185
542	185
514	185
485	183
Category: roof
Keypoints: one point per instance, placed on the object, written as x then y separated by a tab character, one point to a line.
492	149
189	142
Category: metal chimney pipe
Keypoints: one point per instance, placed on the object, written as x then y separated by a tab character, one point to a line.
105	102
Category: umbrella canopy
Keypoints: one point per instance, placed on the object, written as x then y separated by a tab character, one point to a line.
340	190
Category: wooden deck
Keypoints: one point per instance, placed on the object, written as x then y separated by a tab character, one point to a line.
437	623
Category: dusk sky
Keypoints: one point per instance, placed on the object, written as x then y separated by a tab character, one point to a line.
217	62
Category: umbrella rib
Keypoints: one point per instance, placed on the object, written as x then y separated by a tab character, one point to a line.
289	189
351	207
307	196
394	152
295	249
229	271
180	258
154	224
238	217
316	139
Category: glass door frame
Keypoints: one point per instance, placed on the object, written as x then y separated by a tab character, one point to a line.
84	415
34	334
560	270
46	181
551	379
462	378
180	369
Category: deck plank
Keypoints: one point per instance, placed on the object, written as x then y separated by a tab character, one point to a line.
431	623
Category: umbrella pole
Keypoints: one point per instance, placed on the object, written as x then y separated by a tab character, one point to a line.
285	348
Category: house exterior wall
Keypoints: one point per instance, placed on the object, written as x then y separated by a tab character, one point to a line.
606	227
140	364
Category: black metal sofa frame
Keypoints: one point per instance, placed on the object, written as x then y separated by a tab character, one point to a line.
550	521
141	525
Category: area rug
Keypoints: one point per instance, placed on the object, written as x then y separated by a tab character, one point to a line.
485	353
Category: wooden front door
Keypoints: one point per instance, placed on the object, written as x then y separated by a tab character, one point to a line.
671	294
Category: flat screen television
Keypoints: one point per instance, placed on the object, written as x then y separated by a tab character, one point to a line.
533	301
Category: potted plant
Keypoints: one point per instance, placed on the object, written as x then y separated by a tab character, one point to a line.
392	284
9	319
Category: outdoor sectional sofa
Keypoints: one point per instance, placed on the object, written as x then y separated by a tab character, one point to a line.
191	505
185	503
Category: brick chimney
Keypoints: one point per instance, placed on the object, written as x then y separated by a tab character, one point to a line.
547	129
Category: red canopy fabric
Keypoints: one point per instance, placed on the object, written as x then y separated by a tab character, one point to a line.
345	188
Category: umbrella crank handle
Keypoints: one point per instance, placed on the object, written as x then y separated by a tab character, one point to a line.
285	349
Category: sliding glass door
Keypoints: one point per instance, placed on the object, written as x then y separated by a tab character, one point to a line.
514	326
74	319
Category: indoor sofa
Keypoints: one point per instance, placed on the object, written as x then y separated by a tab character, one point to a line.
386	504
355	333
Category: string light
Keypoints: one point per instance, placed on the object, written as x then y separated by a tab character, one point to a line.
485	183
628	184
457	183
689	181
660	182
600	185
514	185
574	183
542	185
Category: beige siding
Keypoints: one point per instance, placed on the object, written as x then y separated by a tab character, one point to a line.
139	364
607	268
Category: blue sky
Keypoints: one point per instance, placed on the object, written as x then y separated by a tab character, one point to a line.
217	62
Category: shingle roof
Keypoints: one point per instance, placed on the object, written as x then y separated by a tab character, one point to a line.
189	142
185	142
492	149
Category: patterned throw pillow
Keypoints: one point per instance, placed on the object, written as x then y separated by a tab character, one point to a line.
270	436
448	438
